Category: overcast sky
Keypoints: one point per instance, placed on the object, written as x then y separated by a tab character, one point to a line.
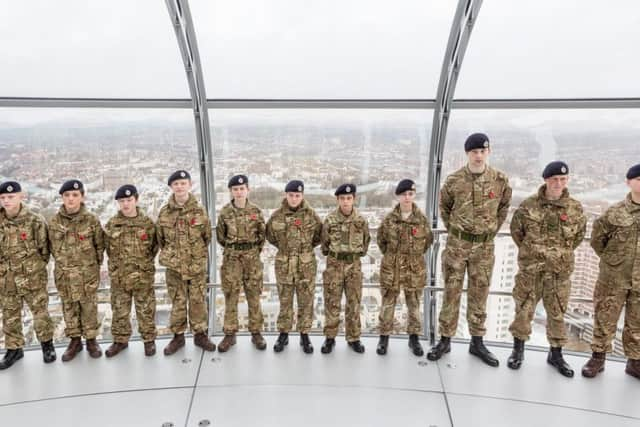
319	49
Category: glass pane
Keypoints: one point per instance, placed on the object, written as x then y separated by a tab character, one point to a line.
115	49
104	148
550	49
322	48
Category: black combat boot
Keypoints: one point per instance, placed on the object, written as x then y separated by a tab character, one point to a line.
477	348
11	357
305	342
517	355
328	345
48	351
356	346
415	346
281	342
443	346
383	343
556	360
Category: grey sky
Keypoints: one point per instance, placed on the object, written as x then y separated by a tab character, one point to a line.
319	49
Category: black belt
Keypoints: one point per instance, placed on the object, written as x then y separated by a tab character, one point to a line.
345	256
473	238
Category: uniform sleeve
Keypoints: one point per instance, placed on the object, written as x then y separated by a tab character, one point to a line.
50	240
324	238
159	234
317	230
261	232
367	238
517	227
600	234
206	232
99	242
107	239
42	240
221	231
155	242
446	204
429	238
270	235
505	201
382	237
582	230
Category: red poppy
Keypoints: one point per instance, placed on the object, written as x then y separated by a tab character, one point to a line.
564	217
492	195
414	231
80	237
254	217
23	236
193	221
298	222
181	223
144	236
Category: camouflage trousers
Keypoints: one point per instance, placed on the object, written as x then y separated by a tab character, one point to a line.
389	299
188	301
477	260
608	303
342	277
554	290
140	291
296	275
81	317
78	287
37	299
242	270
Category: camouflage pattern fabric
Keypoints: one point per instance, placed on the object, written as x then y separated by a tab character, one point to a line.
403	243
242	234
295	232
24	254
77	244
131	247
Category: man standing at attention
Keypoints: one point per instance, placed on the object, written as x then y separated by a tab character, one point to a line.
474	203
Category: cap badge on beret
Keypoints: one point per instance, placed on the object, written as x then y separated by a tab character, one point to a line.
75	185
9	188
486	144
413	187
563	169
348	189
182	174
299	187
240	180
127	192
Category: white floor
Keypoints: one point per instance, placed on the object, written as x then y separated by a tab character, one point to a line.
246	387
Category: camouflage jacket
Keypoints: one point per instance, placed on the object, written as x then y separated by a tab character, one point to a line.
345	234
131	244
184	233
240	226
76	240
294	231
547	232
24	250
476	204
403	243
615	239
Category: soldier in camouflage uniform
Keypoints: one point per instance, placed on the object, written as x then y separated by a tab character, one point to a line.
24	254
616	239
295	229
76	241
183	231
241	232
403	237
345	239
474	203
132	246
547	228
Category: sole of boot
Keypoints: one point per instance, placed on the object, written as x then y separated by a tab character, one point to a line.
381	351
434	357
492	363
515	365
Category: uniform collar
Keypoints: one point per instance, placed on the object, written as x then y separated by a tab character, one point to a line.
562	201
82	211
631	207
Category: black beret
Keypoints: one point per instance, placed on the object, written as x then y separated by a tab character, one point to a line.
634	172
126	190
181	174
555	168
346	189
10	187
71	185
476	140
405	185
238	180
295	186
